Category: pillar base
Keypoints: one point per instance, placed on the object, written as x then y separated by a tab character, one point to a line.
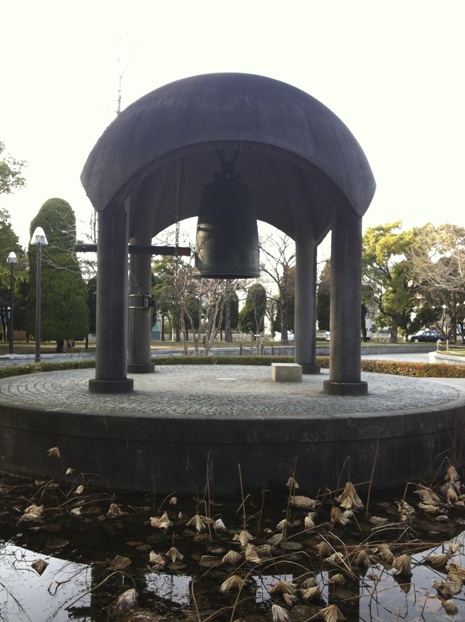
311	369
141	368
111	386
345	388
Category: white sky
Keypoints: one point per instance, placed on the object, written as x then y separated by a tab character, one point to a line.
392	70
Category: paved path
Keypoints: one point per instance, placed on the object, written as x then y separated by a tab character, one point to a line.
222	391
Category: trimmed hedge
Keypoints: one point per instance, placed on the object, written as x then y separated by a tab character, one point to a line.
397	368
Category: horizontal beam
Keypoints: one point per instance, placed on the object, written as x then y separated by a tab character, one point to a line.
135	249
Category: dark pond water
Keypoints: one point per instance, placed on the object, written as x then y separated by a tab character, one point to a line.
89	555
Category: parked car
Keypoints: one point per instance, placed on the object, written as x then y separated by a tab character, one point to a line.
429	334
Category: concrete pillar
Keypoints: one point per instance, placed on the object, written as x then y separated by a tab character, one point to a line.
112	303
140	283
346	298
305	304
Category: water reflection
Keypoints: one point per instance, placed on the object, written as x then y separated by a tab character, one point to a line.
376	596
27	596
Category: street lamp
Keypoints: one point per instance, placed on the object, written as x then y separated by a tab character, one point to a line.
38	239
11	259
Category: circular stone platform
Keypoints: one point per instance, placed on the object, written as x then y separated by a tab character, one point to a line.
186	421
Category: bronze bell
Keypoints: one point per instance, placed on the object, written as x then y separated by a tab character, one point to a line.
227	233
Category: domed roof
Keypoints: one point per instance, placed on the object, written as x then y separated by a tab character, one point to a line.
294	152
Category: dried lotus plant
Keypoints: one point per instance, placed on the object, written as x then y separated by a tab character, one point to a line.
385	553
39	566
427	495
234	582
54	452
174	555
157	559
337	579
197	522
311	593
451	475
127	600
283	587
402	565
349	498
439	561
219	526
361	559
251	554
450	607
243	537
114	510
279	614
160	522
292	483
331	614
32	513
282	525
304	503
337	516
324	549
232	558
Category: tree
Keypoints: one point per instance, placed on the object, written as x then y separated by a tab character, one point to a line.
9	242
323	296
252	314
279	264
65	314
385	271
10	172
437	266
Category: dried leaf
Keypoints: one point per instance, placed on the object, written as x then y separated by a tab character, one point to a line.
251	554
331	614
119	563
279	614
438	561
309	582
324	550
451	495
451	475
336	559
337	516
157	559
174	555
234	582
311	593
429	508
32	513
173	501
69	471
377	521
402	565
243	537
76	512
79	490
361	559
337	579
450	587
349	498
276	539
54	452
290	599
385	553
291	483
427	495
283	587
450	607
127	600
197	522
304	503
160	522
114	510
232	558
219	526
282	525
39	566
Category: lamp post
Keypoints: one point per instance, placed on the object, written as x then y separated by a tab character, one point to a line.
38	239
11	259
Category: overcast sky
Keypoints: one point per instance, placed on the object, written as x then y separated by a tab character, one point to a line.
392	70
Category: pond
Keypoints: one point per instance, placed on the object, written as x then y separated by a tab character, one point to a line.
81	552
